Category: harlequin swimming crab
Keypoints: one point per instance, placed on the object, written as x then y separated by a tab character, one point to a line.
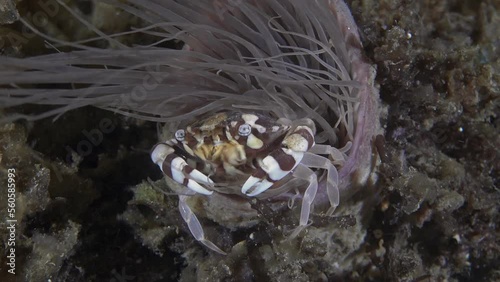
247	154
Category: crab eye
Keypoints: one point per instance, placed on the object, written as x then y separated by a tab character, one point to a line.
244	130
179	135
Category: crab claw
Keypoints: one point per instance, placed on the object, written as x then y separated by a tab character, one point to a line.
279	163
260	185
179	170
272	168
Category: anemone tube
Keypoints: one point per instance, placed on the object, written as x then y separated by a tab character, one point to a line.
286	59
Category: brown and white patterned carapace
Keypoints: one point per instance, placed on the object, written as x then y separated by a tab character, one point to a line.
246	154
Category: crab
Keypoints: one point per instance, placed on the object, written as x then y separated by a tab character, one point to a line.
246	154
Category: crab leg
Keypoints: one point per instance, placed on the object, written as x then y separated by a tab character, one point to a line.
177	169
303	172
336	154
332	187
195	226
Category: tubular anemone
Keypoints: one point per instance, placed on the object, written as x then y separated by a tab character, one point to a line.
288	59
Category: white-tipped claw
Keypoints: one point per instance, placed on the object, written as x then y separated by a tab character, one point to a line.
198	176
258	185
263	186
193	185
251	181
177	166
